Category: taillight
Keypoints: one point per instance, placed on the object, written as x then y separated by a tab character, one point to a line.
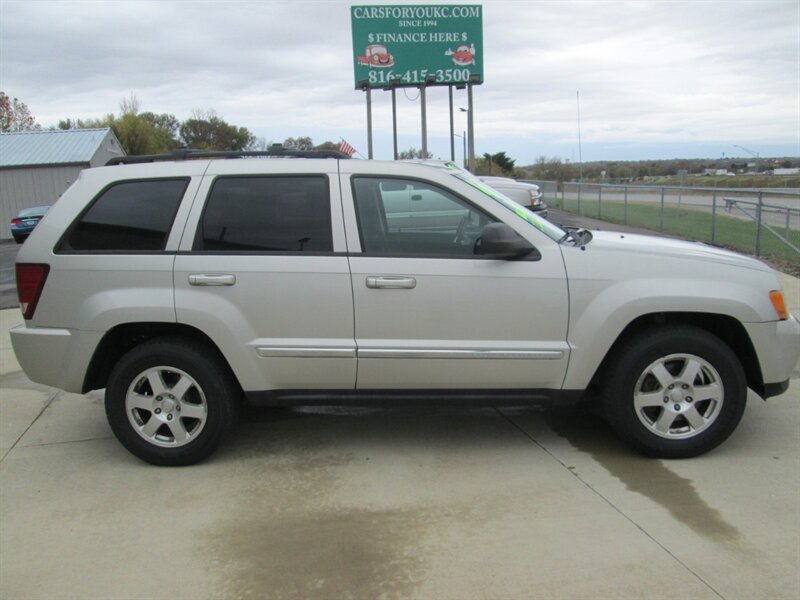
30	283
16	221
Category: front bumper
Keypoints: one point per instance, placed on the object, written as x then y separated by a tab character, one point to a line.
777	345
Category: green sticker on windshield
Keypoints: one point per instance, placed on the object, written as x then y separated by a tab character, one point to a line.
507	202
521	212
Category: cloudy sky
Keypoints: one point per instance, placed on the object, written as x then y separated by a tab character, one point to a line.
657	79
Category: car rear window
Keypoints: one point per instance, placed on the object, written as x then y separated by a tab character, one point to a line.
127	216
267	214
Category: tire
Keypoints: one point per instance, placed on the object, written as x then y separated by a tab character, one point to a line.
170	401
675	392
19	239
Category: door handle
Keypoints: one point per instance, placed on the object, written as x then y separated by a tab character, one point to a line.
211	279
391	283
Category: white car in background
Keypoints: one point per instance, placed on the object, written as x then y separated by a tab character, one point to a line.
528	195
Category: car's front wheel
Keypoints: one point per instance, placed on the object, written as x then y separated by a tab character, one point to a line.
170	402
675	392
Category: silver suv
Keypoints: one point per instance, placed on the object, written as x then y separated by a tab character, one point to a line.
183	287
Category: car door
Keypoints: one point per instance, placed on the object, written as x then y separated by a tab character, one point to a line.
263	272
432	314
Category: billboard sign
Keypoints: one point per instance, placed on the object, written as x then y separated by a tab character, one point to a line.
409	45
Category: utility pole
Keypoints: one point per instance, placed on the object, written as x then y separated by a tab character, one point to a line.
452	131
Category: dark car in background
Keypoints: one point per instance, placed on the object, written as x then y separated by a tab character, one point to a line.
25	221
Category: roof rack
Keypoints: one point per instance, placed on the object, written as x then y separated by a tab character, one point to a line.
189	154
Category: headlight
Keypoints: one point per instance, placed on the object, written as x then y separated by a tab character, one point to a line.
536	197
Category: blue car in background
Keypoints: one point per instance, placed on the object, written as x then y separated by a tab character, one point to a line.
25	221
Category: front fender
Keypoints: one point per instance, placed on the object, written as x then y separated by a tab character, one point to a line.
602	310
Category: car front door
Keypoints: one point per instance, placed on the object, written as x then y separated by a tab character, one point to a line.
431	313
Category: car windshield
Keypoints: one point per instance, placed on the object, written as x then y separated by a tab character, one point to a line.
546	227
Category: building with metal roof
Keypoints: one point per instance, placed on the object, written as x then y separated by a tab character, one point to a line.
36	167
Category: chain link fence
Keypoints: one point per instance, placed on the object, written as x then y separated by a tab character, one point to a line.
763	222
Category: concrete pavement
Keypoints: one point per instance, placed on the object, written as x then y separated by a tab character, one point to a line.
350	503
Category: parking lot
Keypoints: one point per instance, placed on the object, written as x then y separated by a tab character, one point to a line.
393	503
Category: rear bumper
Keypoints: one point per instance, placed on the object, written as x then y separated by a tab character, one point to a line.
55	357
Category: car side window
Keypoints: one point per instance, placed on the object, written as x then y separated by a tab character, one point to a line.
402	217
127	216
267	214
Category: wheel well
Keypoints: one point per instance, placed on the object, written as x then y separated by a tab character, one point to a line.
123	338
726	328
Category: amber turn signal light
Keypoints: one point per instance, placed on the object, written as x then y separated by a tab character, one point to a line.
779	304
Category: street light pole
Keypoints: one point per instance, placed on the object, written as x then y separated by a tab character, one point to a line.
469	159
471	129
463	137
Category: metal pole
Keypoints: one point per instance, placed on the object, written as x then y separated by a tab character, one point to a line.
758	224
599	201
424	150
714	217
787	222
369	123
580	153
394	121
471	128
661	224
464	139
452	130
625	218
580	185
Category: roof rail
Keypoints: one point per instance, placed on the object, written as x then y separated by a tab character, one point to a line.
189	154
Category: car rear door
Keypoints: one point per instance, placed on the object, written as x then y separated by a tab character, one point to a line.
263	272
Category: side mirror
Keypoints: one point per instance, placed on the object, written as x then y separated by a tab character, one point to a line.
498	240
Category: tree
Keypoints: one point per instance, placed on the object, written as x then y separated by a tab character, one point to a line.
327	145
151	133
164	129
138	133
300	143
15	115
413	153
495	164
552	169
207	131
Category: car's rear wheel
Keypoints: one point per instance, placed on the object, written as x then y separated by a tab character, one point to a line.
675	392
170	402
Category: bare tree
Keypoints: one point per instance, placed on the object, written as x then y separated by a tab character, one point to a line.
15	115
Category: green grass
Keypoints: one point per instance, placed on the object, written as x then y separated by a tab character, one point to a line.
730	232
